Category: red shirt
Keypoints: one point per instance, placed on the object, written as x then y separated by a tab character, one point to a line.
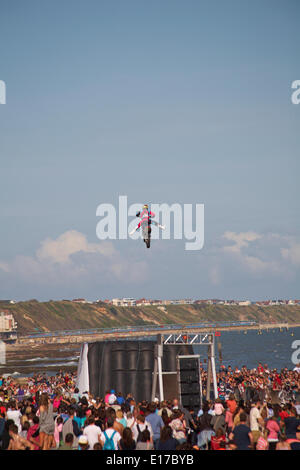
32	430
283	414
215	442
278	380
145	216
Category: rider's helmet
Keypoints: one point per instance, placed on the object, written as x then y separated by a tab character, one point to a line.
145	206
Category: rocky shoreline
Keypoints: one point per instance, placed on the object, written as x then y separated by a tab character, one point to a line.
28	359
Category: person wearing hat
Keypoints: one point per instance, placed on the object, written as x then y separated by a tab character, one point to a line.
83	443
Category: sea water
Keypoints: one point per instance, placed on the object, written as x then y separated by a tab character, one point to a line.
277	349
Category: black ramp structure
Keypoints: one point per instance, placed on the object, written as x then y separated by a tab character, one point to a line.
127	366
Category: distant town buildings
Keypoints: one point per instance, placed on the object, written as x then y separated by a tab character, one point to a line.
7	322
82	301
126	302
245	303
131	302
278	302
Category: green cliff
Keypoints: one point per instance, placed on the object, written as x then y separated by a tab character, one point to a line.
66	315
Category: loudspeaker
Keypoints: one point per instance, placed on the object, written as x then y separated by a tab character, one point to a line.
187	376
189	386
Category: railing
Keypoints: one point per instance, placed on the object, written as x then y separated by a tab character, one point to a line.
139	328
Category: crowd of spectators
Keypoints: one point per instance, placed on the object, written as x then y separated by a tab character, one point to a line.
256	409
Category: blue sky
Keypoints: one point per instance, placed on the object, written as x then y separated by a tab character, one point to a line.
197	96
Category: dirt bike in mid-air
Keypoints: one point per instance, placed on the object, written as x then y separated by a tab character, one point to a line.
145	224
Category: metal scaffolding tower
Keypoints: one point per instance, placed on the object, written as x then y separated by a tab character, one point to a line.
200	339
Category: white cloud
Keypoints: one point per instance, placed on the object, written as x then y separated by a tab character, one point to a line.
240	240
256	264
69	243
70	258
292	253
263	253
